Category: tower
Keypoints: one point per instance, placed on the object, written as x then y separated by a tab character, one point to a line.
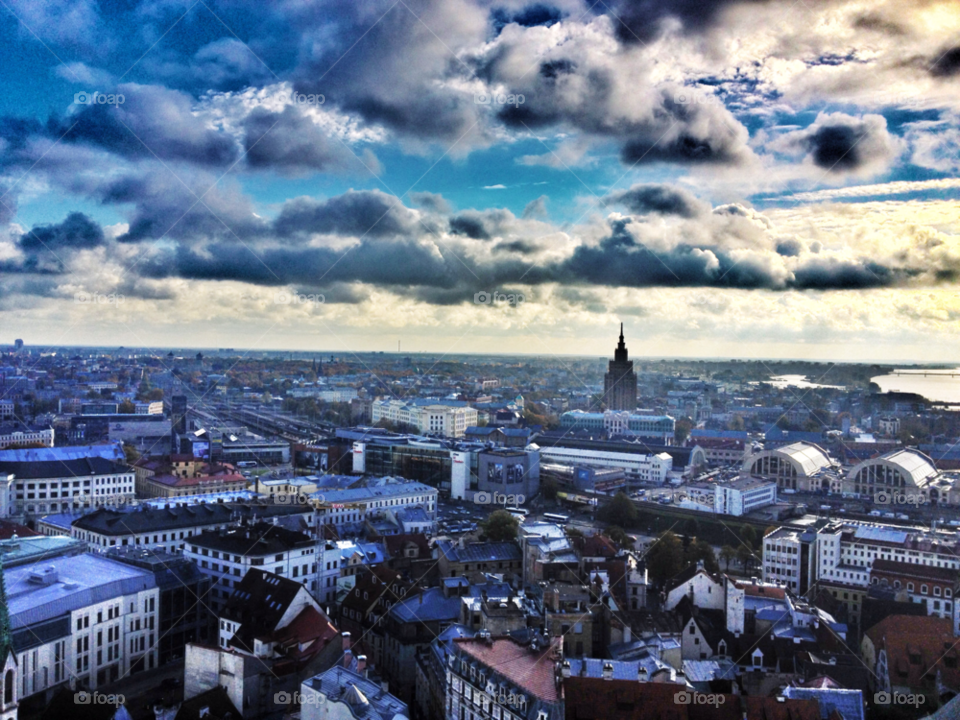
620	382
10	672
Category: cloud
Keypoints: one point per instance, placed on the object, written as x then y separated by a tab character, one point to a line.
431	201
661	199
355	213
76	232
840	143
536	209
947	64
495	187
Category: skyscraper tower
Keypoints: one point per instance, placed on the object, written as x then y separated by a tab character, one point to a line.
620	382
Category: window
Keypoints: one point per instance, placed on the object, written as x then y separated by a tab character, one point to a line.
923	589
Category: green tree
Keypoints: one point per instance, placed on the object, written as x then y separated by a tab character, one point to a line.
691	528
681	430
727	553
500	526
131	453
619	536
665	557
736	423
127	407
549	489
700	551
619	510
744	557
749	535
573	532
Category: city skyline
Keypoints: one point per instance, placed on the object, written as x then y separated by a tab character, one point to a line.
763	180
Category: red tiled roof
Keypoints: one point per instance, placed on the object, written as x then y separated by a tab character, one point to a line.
8	529
916	648
174	481
533	671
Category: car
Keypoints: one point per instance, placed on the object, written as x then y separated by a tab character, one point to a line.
874	513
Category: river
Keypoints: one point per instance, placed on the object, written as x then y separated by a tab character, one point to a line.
936	385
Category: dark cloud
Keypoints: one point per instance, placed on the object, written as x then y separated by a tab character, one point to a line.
789	248
355	213
524	247
878	23
946	64
431	201
642	21
151	122
842	143
657	198
470	224
290	142
76	232
529	16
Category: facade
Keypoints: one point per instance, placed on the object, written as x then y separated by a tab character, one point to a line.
800	466
184	475
500	557
88	617
14	436
638	466
737	497
226	556
790	556
904	472
509	472
183	615
433	419
656	427
170	527
620	381
50	480
500	678
354	506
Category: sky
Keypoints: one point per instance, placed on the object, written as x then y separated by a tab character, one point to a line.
754	178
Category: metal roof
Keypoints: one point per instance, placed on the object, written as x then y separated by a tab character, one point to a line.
810	458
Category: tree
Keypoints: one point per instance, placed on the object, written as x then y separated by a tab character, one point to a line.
549	489
665	557
749	535
744	556
127	408
619	510
727	553
573	532
619	536
131	454
681	430
691	528
500	526
700	551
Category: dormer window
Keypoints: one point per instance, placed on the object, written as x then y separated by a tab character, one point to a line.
722	649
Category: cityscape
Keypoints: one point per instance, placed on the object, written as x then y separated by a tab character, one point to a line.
480	360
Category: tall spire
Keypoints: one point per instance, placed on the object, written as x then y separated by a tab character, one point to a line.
621	333
6	634
620	354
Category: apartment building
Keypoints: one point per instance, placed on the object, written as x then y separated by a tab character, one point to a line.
18	435
354	506
171	526
87	617
227	555
429	418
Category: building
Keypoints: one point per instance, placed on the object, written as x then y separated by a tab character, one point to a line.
620	382
800	466
342	694
353	506
790	556
509	471
934	588
736	497
226	556
183	475
88	618
428	417
183	614
913	656
172	525
458	560
899	473
18	435
638	465
490	678
50	480
659	428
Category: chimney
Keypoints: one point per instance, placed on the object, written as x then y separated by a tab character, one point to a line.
346	641
608	671
642	675
347	658
362	665
565	669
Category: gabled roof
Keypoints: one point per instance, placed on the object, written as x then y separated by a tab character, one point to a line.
258	603
917	648
686	575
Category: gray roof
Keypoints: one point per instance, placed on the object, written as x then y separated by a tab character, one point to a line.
113	521
848	702
480	552
78	468
81	580
371	702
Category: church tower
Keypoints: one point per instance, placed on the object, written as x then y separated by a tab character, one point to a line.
10	672
620	382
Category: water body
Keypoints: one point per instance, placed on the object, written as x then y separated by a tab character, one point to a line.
936	385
